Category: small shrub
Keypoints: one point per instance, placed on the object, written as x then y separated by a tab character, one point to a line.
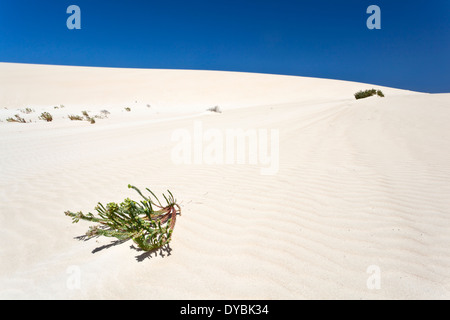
215	109
368	93
16	119
79	118
365	94
105	113
127	109
27	110
46	116
149	228
88	117
75	117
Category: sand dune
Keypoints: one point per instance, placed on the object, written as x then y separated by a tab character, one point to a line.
361	185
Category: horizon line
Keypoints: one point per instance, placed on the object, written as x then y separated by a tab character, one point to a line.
216	70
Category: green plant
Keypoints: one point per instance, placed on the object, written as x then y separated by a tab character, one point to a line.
27	110
46	116
88	117
75	117
150	229
16	119
127	109
368	93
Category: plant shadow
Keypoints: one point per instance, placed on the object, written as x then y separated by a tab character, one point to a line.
163	251
110	245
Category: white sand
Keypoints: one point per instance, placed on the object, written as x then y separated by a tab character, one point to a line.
360	183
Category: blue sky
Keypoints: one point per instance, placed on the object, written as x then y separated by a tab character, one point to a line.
314	38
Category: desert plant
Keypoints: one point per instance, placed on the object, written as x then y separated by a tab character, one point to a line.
88	117
127	109
365	94
16	119
75	117
27	110
103	114
150	229
368	93
46	116
215	109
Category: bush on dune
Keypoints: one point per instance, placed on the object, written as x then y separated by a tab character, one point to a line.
368	93
215	109
46	116
27	110
16	118
86	115
75	117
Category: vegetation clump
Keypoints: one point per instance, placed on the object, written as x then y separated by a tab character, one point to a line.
215	109
75	117
148	223
16	118
27	110
85	114
46	116
88	117
103	114
368	93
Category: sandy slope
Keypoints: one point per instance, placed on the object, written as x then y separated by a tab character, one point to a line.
360	183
